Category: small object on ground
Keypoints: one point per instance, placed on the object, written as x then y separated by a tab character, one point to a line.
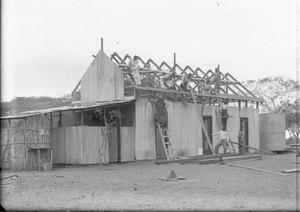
9	176
172	177
290	170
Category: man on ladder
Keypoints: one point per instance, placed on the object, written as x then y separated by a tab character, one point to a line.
161	119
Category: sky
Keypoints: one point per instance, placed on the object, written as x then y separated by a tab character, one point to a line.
47	45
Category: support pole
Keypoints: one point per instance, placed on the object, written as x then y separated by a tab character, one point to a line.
202	122
60	119
82	119
174	62
102	44
256	169
51	121
269	153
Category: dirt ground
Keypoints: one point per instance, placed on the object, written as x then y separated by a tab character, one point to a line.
135	186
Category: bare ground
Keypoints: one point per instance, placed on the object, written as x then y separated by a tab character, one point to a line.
136	186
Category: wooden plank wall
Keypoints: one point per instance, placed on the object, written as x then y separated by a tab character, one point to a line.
185	128
113	146
103	80
127	144
144	131
85	87
27	132
272	131
77	145
233	125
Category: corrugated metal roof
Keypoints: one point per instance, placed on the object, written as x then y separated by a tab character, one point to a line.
82	106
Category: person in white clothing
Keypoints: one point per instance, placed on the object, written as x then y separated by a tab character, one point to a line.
133	66
224	139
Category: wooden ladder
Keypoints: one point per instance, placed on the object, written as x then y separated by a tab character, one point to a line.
165	139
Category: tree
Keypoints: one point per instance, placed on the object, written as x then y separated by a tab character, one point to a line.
280	97
292	118
22	104
109	119
273	90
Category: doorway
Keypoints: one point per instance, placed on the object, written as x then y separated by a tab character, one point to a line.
208	124
244	124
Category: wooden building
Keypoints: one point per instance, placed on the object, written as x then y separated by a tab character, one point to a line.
75	134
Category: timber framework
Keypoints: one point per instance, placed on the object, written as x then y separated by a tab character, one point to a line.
230	88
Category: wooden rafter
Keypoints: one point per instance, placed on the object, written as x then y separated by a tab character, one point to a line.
154	74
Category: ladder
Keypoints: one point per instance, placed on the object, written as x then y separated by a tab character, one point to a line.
166	141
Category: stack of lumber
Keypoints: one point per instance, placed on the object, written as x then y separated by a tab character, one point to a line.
231	159
211	159
194	159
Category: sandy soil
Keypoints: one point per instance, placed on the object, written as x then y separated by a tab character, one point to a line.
136	186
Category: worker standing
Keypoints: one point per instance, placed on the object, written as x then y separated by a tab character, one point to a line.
224	139
185	82
241	140
169	80
133	66
224	113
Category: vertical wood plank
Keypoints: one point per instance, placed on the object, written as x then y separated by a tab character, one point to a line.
85	87
119	83
93	82
145	130
127	145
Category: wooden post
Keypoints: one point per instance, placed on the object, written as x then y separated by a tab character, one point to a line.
119	138
8	140
82	119
239	102
102	44
26	146
202	122
60	119
269	153
226	77
39	159
174	62
51	157
51	121
257	105
256	169
246	104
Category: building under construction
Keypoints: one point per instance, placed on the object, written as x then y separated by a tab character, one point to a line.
74	134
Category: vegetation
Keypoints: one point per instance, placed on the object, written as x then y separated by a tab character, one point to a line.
280	96
21	104
110	119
